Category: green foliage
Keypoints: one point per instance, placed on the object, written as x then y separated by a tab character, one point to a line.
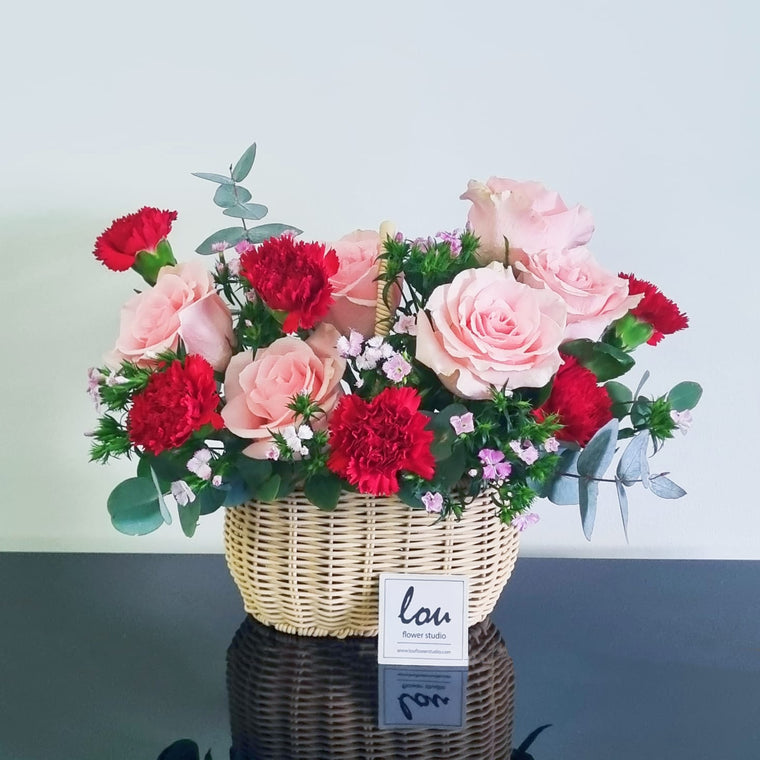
134	507
231	236
109	440
323	490
684	396
230	195
604	360
244	164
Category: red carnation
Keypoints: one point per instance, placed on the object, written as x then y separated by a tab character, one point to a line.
373	441
119	245
580	403
176	403
655	309
292	276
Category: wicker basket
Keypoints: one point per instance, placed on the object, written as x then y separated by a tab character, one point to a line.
316	573
296	698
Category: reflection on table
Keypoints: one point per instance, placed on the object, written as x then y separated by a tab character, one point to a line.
301	698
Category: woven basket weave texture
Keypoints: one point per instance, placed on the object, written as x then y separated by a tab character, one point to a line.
298	698
315	573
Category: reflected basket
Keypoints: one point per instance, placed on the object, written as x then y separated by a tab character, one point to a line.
316	573
298	698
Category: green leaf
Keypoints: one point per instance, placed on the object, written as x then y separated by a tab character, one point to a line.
211	499
561	489
134	508
408	492
443	432
623	502
449	471
643	380
324	491
597	455
253	211
621	398
220	179
685	395
640	411
183	749
254	471
188	516
229	235
588	491
244	164
265	231
230	195
167	518
604	360
665	488
633	465
269	489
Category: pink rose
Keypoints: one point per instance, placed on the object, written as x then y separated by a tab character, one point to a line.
528	215
487	329
354	284
259	388
182	304
594	297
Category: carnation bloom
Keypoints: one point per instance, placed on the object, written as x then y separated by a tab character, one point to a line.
177	402
292	276
373	441
583	407
119	245
656	310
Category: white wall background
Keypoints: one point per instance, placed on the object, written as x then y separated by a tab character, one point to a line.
646	112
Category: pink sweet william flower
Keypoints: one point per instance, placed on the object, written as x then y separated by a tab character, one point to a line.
433	502
551	445
524	521
683	420
182	493
396	368
406	325
198	464
494	466
462	423
525	450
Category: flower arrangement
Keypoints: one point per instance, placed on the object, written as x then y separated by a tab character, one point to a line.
479	360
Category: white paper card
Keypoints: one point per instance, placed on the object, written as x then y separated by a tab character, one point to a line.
423	619
421	697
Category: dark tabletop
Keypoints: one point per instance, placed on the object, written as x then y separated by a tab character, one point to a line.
118	656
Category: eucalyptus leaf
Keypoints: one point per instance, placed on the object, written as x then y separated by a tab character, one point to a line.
685	395
236	491
254	471
598	452
254	211
230	195
134	508
244	164
211	499
665	488
450	471
188	516
633	463
265	231
640	411
269	489
323	491
229	235
588	491
443	432
161	503
643	380
623	502
621	398
182	749
562	489
409	494
220	179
